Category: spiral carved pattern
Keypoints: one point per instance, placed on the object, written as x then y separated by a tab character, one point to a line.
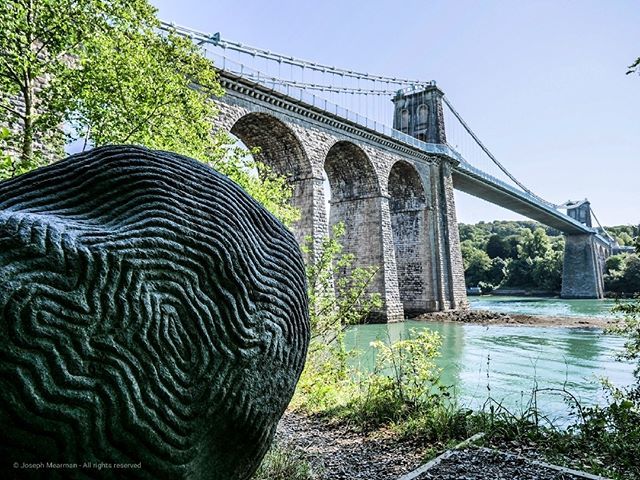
151	313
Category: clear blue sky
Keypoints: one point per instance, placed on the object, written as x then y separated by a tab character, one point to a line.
541	82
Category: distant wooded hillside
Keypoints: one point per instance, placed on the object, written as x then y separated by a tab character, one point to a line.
526	254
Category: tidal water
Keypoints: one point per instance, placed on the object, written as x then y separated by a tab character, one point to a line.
508	362
559	307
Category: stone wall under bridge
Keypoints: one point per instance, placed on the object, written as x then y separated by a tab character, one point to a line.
397	203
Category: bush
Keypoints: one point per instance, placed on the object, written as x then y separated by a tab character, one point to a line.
405	393
404	380
335	302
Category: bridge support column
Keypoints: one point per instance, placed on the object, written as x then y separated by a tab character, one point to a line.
368	236
582	270
447	266
308	198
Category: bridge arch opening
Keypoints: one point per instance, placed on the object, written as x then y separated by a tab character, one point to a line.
356	201
408	209
282	151
350	173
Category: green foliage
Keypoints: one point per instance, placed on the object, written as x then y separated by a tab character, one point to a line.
405	373
336	301
403	391
629	327
496	247
283	462
600	440
615	263
623	273
258	180
109	75
112	78
624	234
135	86
613	431
5	158
44	40
547	271
477	264
513	254
497	272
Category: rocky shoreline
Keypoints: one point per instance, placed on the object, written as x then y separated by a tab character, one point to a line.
486	317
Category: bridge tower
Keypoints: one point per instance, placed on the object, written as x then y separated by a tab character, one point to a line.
419	113
580	211
584	257
425	236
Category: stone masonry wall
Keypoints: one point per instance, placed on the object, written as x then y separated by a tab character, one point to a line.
367	212
582	269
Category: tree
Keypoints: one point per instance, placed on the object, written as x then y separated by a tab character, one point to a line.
162	87
496	247
42	42
631	278
497	272
477	264
534	244
615	263
623	273
102	68
547	271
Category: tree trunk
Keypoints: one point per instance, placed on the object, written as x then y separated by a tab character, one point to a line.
27	133
27	96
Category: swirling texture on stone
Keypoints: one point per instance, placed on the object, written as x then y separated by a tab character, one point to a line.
151	313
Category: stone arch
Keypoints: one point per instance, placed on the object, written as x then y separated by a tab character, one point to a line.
356	201
408	211
279	145
350	173
281	150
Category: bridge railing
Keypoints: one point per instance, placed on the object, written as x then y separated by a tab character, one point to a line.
460	136
300	94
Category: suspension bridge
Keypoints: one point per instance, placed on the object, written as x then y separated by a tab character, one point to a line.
392	166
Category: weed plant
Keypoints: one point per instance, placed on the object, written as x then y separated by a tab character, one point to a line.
404	391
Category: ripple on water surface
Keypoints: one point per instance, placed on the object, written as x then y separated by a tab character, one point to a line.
512	360
555	307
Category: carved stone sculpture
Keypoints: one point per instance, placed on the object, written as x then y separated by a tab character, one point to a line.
153	317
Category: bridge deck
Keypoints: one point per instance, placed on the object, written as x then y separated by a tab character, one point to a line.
497	194
466	177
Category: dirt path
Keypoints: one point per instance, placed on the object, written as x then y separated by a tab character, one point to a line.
340	452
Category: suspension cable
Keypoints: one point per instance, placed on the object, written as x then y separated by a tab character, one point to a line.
489	154
216	40
406	86
600	225
319	87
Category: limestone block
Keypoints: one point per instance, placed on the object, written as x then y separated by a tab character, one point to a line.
152	315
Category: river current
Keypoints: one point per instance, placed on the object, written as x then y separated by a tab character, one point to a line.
508	362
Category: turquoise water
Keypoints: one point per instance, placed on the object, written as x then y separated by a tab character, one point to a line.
544	306
509	361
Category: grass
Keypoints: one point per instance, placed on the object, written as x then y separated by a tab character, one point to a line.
283	462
